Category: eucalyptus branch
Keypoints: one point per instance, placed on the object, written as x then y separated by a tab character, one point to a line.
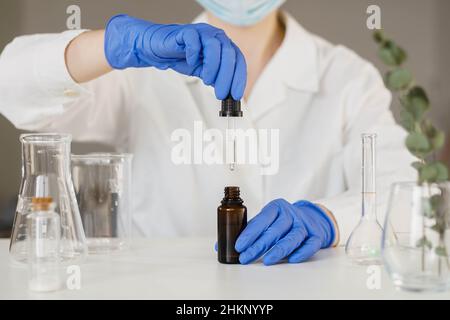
423	140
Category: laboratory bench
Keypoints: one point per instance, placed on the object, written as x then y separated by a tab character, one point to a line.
187	268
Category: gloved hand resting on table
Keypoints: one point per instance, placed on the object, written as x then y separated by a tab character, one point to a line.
199	50
283	230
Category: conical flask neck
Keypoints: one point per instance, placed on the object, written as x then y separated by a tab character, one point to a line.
46	157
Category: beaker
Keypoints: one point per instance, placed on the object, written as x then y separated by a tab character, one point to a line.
416	236
102	184
46	174
364	244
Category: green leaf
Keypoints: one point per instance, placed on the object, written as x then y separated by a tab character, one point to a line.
419	97
407	120
438	140
424	242
434	172
417	143
428	174
439	228
442	172
435	201
427	209
398	79
436	137
416	103
391	54
441	251
378	36
387	57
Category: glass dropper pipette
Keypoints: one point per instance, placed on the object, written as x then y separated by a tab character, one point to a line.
231	109
231	135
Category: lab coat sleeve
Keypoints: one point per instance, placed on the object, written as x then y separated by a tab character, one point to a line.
37	92
366	107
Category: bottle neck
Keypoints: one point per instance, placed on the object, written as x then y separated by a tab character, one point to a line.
232	196
232	201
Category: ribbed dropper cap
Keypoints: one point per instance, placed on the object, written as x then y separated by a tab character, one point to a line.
231	108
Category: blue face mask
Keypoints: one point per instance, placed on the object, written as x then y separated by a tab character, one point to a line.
241	12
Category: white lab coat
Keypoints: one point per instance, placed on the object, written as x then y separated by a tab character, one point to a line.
320	96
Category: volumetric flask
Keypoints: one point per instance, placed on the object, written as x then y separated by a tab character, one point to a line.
102	184
46	174
364	244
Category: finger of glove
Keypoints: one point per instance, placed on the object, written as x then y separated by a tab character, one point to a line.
216	246
277	230
239	76
256	227
190	39
183	68
225	75
211	59
285	246
306	250
164	45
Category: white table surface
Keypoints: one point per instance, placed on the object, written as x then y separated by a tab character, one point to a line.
187	268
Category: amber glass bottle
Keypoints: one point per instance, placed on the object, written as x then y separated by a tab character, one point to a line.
231	220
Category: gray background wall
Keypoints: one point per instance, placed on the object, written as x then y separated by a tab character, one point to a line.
421	26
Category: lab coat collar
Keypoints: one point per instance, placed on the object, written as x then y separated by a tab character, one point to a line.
296	61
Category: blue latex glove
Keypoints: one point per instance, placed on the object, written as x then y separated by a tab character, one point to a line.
198	50
283	230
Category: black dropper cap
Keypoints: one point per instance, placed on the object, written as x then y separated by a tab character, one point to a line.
231	108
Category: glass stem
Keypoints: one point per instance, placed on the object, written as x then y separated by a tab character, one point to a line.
232	131
369	211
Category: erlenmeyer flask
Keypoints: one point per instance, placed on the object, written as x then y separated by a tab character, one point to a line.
46	173
364	244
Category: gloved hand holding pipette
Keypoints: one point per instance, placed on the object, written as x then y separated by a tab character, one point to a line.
199	50
283	230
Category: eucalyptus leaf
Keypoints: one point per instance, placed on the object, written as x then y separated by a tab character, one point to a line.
416	102
438	140
420	95
427	208
417	143
442	172
434	172
435	136
378	36
424	242
387	56
435	201
428	173
391	54
439	228
428	128
398	79
407	120
441	251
